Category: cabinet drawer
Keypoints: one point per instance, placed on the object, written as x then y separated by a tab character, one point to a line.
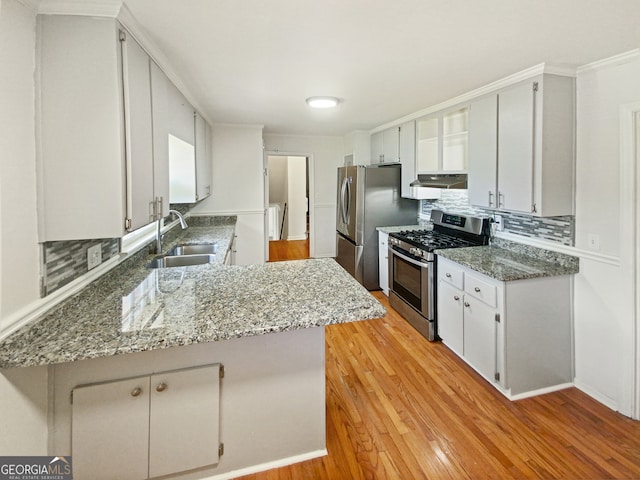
479	288
451	273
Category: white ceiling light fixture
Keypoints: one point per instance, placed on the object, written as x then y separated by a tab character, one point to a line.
322	102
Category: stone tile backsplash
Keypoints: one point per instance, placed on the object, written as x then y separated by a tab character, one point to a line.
555	229
64	261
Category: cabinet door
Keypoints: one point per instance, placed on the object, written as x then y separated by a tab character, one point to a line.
428	145
450	317
391	145
160	104
186	401
383	261
455	140
110	430
138	132
480	336
515	148
407	157
377	148
203	165
483	151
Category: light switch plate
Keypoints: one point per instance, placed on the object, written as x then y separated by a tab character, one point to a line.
94	256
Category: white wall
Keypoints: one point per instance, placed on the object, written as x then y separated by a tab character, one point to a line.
604	323
23	392
238	187
327	155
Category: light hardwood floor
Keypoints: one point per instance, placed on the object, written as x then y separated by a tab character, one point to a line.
400	407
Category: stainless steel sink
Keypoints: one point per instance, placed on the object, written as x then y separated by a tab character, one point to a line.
207	249
181	260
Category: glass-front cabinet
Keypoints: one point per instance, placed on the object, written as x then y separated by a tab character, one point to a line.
441	142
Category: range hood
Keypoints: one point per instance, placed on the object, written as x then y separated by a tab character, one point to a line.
458	180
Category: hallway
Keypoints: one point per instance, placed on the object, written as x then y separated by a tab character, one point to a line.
280	250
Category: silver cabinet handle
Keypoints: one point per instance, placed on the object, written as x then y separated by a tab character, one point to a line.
136	392
500	199
477	289
466	304
448	275
456	298
490	198
161	387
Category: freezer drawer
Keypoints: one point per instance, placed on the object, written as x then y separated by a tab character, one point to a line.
349	255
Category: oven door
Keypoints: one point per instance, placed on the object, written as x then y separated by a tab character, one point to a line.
412	281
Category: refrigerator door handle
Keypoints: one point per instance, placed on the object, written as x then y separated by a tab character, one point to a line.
344	199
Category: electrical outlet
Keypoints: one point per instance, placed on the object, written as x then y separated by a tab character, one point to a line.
94	256
497	219
593	241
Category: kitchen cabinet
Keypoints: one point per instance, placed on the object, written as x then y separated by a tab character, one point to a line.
203	157
230	257
407	157
383	261
96	159
441	142
160	120
521	153
131	428
521	345
385	146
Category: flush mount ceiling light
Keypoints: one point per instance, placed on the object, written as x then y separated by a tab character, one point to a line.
322	102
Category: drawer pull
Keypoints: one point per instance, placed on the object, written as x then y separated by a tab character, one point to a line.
136	392
466	304
161	387
448	275
477	289
456	298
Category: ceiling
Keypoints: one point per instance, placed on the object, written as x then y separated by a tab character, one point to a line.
255	61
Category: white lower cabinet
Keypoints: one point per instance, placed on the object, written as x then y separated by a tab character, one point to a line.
383	261
516	334
147	426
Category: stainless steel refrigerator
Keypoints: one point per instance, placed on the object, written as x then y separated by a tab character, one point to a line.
368	197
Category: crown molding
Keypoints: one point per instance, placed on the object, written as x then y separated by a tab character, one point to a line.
484	90
95	8
610	61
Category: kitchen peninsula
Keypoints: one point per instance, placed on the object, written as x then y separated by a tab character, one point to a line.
258	326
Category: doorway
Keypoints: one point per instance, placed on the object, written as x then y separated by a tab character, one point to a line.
287	204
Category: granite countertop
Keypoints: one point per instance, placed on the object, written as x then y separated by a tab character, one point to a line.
134	309
509	261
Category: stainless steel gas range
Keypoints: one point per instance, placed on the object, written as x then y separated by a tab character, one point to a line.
412	265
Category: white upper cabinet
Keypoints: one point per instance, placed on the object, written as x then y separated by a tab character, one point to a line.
160	102
407	157
189	151
138	135
385	146
96	165
441	142
521	153
203	158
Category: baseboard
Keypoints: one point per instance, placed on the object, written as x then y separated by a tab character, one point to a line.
535	393
269	465
606	401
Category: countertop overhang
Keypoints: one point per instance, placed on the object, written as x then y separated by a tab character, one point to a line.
135	309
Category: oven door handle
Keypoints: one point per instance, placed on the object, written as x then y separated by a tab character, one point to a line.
413	261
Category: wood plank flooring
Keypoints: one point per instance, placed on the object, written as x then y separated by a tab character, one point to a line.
400	407
288	250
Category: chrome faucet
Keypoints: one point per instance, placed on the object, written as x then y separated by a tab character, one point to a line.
183	225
